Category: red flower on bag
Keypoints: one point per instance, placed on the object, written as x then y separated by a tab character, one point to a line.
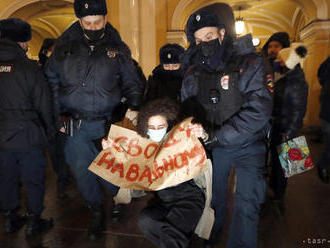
308	162
295	154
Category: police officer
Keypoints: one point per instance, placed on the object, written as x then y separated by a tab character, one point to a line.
25	124
89	73
166	78
228	79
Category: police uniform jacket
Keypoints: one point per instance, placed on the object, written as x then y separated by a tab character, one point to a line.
290	101
248	103
89	79
164	83
25	101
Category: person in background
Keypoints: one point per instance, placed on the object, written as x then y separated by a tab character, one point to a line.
324	160
56	150
274	44
166	78
290	100
89	73
46	50
26	126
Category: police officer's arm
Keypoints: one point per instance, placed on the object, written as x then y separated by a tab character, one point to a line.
51	71
151	89
41	96
132	86
298	92
255	111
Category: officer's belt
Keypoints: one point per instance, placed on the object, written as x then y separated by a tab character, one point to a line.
86	118
19	115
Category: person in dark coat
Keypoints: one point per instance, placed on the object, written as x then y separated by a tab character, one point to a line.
56	150
228	79
26	125
46	50
324	79
166	78
290	101
89	73
274	44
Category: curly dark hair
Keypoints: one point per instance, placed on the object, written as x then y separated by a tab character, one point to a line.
164	107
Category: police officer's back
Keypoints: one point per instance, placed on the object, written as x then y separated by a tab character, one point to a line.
25	124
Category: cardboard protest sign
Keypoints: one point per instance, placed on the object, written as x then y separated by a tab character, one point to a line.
138	163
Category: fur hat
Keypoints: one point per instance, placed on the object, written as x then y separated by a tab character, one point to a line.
171	54
201	19
293	55
15	29
84	8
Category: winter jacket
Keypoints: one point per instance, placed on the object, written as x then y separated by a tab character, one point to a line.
250	122
164	83
290	100
25	101
324	79
89	79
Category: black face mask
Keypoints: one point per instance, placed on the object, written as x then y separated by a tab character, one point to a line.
208	49
94	35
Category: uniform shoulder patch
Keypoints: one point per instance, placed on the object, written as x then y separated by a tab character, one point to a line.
6	68
112	53
225	82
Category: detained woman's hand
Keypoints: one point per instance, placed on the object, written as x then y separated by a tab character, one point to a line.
198	131
106	143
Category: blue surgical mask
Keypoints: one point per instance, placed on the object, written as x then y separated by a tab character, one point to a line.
156	135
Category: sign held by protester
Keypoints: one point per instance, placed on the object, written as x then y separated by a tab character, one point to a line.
138	163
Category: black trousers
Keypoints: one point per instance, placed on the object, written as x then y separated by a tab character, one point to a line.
278	181
324	160
171	221
61	168
29	168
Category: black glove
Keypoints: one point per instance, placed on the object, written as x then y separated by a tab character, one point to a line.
211	141
135	102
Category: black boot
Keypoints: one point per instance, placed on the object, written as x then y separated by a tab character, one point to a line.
116	213
13	221
323	174
36	225
279	207
98	224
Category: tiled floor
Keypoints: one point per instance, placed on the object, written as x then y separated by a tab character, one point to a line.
306	223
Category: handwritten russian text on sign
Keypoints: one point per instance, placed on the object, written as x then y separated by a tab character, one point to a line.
138	163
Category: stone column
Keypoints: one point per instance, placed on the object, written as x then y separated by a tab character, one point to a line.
177	36
137	25
316	35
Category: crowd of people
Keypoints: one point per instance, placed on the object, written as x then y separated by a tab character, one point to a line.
243	103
